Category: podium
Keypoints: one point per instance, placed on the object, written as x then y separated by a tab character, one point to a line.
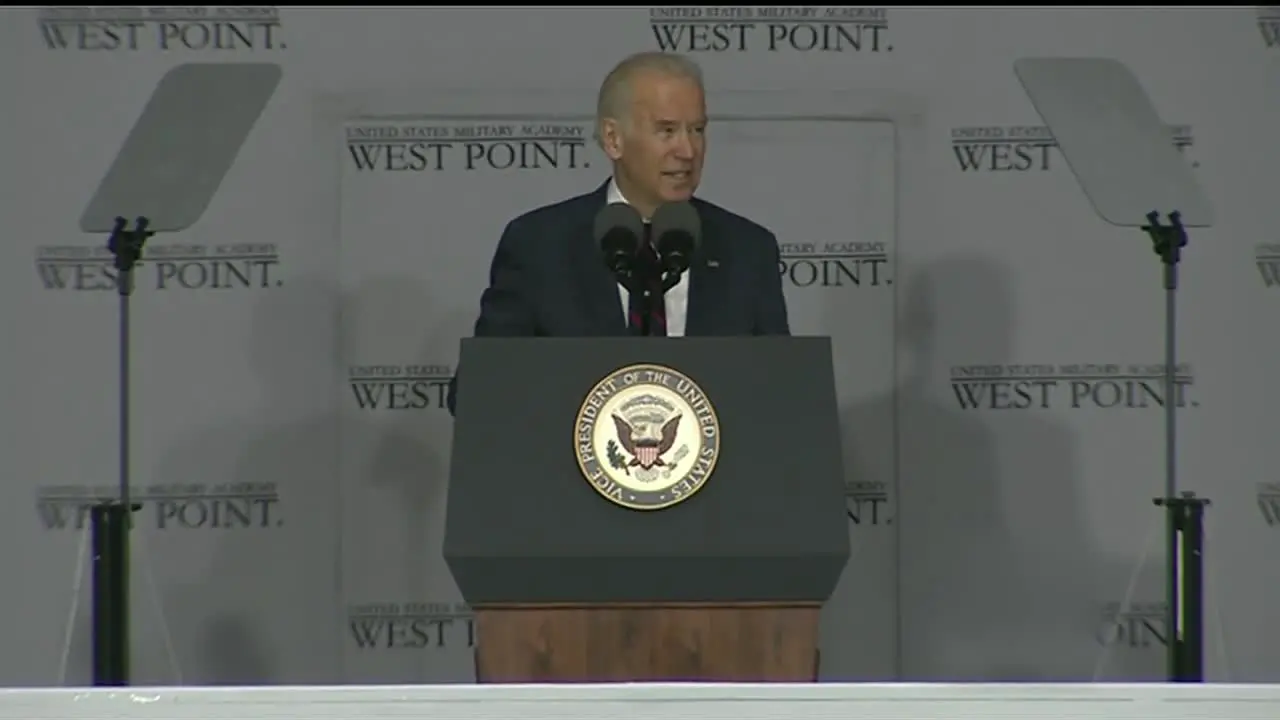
646	509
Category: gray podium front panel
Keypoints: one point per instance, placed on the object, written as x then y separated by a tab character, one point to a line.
525	526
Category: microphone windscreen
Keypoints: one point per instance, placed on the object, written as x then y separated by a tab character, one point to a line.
617	216
679	217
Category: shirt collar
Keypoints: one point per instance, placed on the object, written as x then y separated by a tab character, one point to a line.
614	195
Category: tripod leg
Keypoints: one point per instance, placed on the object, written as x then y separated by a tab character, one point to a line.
1219	627
144	565
77	585
1130	591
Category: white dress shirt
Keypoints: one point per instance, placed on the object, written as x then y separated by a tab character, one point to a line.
677	298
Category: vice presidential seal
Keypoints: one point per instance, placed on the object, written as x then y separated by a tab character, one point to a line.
647	437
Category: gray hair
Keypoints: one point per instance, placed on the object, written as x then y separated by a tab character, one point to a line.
614	100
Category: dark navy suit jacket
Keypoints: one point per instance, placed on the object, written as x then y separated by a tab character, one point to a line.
548	278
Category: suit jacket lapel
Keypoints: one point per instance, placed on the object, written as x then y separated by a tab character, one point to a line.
704	276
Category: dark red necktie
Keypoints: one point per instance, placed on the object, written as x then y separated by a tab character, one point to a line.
647	263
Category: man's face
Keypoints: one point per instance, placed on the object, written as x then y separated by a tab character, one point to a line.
660	149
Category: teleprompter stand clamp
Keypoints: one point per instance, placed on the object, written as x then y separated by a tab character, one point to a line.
1168	241
197	119
126	245
1186	586
1126	163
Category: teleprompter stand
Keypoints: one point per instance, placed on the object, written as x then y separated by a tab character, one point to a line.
1184	512
111	519
165	175
1126	163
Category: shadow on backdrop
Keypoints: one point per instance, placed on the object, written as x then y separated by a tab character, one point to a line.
858	638
409	455
998	578
396	438
257	604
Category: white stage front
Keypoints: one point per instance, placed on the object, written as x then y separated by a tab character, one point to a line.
655	702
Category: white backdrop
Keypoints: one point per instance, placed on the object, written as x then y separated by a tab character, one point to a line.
994	339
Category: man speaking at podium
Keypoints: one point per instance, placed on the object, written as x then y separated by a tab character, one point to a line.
549	277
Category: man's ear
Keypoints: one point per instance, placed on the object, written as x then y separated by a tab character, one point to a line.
611	138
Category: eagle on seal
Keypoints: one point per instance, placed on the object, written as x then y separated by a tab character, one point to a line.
646	452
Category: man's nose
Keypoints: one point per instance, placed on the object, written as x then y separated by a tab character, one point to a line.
684	147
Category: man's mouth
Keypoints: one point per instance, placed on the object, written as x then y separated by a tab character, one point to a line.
677	174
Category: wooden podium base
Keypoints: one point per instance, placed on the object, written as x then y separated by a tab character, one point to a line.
654	643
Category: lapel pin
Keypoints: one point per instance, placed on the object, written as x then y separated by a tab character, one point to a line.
713	263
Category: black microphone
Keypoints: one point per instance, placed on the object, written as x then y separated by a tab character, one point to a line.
677	230
618	229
